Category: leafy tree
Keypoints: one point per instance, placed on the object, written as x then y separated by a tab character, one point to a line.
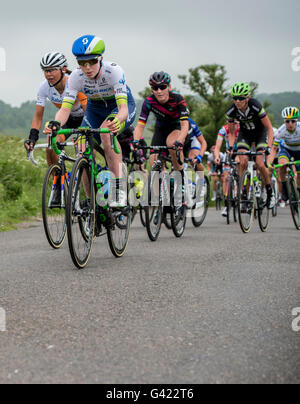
208	82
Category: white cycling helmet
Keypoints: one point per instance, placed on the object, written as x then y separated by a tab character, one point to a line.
53	59
290	113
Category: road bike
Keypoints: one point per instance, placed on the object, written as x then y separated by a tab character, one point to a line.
252	200
232	190
293	193
165	196
88	214
55	191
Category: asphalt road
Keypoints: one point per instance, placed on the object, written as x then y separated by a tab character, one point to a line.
213	307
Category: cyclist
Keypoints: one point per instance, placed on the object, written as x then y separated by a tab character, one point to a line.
287	139
172	124
213	168
255	128
53	88
110	102
224	133
195	145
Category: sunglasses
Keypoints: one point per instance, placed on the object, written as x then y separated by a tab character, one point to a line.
161	87
291	121
51	70
91	62
239	98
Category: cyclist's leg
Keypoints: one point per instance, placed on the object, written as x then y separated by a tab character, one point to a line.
243	145
261	144
171	140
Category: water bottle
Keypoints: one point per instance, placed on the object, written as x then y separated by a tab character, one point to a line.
103	181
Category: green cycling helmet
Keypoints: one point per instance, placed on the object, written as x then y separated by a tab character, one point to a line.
241	90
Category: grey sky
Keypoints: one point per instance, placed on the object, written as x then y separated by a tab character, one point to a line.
254	40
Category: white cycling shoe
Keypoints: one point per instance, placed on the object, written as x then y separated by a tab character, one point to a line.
120	200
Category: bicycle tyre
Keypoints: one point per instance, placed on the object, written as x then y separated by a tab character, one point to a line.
55	230
80	215
294	201
118	232
246	206
197	222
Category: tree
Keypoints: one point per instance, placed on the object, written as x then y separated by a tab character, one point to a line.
209	83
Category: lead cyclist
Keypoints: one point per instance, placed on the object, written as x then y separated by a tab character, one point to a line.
110	102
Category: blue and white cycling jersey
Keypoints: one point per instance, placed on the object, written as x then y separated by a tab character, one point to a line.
193	136
291	140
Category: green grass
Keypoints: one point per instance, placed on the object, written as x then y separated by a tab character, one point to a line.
20	183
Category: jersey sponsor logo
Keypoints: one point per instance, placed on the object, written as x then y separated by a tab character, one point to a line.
122	81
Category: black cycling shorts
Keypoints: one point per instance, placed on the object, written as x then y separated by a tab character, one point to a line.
161	133
259	139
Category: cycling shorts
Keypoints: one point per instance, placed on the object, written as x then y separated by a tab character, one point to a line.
161	133
288	155
98	111
191	144
246	140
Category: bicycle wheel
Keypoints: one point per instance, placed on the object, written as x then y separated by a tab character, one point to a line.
219	196
229	200
154	212
118	231
246	202
54	214
294	201
263	214
275	190
143	216
232	200
202	197
167	220
80	213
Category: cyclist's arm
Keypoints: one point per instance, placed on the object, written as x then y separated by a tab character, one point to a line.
267	123
138	133
218	148
203	143
184	130
63	115
38	118
83	100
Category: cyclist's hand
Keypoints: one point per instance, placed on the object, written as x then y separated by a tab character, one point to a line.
218	161
114	126
135	144
50	126
29	145
179	145
198	159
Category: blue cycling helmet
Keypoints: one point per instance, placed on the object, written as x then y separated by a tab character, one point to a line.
88	47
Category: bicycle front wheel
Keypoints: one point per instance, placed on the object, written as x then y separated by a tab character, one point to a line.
294	202
154	211
263	214
80	213
55	192
246	202
202	196
118	231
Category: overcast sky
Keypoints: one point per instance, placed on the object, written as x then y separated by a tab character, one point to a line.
253	40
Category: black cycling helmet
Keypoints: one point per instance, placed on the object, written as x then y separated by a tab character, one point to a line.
158	78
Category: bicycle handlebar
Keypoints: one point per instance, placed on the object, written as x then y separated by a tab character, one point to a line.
153	149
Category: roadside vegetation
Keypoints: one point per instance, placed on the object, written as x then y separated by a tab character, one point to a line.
20	183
